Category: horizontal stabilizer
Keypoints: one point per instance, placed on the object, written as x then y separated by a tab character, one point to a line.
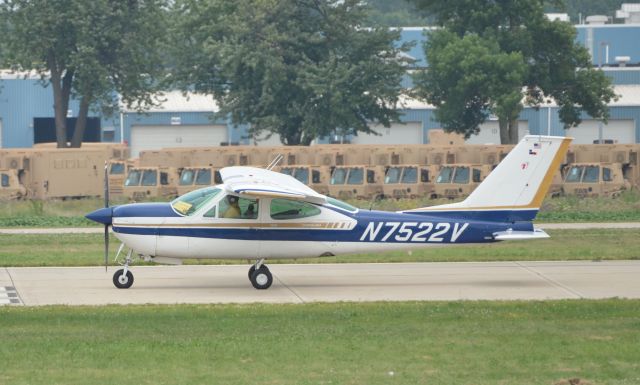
510	235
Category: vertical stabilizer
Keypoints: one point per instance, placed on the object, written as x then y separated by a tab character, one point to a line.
520	181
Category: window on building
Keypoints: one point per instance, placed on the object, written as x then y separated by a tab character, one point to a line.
289	209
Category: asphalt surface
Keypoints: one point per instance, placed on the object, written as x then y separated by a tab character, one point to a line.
324	283
100	230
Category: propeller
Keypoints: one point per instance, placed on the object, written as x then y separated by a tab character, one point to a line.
106	205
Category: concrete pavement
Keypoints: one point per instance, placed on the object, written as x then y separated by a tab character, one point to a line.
328	283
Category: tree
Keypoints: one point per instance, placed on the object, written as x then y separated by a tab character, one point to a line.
496	57
301	69
104	53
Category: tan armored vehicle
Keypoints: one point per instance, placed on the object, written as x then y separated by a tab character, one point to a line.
408	181
316	177
192	178
150	182
594	179
459	180
10	186
356	182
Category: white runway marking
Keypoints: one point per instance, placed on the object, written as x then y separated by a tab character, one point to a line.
332	283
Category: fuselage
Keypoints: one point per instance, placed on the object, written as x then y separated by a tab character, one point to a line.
160	230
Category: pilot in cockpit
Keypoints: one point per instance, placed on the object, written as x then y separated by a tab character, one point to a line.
234	210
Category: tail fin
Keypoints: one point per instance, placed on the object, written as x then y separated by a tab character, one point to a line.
515	189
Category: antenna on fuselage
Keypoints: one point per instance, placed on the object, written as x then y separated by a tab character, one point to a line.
275	161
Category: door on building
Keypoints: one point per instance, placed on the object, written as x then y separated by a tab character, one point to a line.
490	132
619	130
157	137
398	133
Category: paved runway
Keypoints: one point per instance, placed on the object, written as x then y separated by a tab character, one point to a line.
325	283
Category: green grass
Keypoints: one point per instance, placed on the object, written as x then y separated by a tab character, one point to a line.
70	213
374	343
593	244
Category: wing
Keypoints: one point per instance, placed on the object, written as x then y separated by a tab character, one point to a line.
258	182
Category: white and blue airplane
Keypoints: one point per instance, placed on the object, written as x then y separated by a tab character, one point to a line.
260	214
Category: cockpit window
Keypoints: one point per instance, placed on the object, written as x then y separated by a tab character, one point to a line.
186	178
445	175
133	179
393	175
189	203
150	178
204	177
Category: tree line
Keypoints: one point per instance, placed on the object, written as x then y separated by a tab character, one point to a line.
301	69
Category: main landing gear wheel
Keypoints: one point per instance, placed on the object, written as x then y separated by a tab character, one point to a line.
261	278
122	280
251	270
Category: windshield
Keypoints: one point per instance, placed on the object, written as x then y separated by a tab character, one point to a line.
393	175
302	174
5	180
189	203
341	204
356	176
591	174
574	174
286	171
410	175
150	178
445	175
338	176
186	179
117	168
462	175
204	177
133	179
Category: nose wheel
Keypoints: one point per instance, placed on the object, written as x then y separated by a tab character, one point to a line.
260	276
123	279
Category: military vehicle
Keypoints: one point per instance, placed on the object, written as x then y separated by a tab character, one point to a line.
356	182
316	177
594	179
458	180
408	181
150	182
192	178
10	186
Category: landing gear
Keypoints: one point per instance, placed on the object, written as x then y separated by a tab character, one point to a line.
260	276
123	278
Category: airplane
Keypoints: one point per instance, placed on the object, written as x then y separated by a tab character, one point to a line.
259	214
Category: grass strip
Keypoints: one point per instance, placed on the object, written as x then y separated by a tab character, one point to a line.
590	244
479	343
